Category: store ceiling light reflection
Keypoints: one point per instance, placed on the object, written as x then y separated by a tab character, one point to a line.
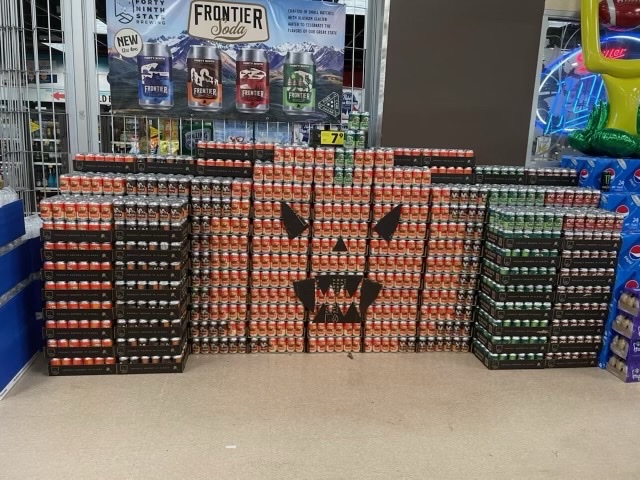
568	91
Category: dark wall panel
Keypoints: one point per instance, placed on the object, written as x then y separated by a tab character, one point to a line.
462	74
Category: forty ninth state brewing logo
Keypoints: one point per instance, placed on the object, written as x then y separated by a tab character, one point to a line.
228	22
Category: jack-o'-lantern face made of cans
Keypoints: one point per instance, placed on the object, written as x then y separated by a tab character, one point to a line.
338	291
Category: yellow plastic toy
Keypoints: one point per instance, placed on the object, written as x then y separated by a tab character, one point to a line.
612	129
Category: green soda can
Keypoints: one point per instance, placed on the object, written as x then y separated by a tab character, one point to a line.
503	357
525	252
558	220
354	121
347	177
522	197
513	357
338	176
525	340
364	121
339	157
350	139
531	197
531	356
524	323
361	139
530	220
348	157
518	221
535	323
540	194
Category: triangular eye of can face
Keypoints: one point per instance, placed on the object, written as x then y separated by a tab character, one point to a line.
292	222
340	246
388	224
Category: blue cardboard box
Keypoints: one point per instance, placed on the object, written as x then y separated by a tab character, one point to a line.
626	204
20	332
624	173
11	222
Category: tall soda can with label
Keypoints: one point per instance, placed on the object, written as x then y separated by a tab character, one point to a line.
155	79
252	81
299	83
204	84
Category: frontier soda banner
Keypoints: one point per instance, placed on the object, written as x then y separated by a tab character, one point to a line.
263	60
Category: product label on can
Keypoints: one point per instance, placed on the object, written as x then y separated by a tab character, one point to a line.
204	80
299	85
154	79
252	83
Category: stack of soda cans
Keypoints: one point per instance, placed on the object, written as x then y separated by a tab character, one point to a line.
589	256
399	228
517	288
220	210
542	196
452	267
78	289
357	133
341	222
282	193
151	289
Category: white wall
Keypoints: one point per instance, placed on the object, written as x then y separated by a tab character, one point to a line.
563	5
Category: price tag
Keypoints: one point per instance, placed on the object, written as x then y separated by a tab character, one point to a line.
330	137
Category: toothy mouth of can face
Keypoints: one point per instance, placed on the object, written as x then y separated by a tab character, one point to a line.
352	284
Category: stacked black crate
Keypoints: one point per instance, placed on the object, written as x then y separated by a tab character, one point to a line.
591	239
78	289
397	247
517	286
282	193
338	295
221	209
152	291
452	267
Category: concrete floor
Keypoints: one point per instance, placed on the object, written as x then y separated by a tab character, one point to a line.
431	416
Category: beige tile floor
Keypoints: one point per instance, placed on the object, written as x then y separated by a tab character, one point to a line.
433	416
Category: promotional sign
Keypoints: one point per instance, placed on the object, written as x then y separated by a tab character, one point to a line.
259	60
